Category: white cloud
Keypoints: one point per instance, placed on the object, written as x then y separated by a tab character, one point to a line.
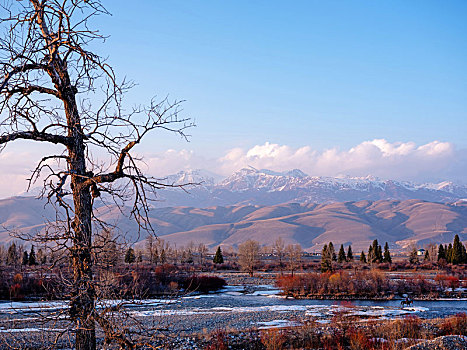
398	160
434	161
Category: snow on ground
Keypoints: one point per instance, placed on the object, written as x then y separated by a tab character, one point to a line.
277	324
318	311
41	306
18	330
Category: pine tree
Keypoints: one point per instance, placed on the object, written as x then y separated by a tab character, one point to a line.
332	251
379	254
375	254
441	253
341	254
427	256
32	257
130	256
370	254
456	255
387	255
349	254
464	255
25	260
326	259
363	257
218	258
449	254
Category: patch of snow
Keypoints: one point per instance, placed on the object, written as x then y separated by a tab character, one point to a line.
277	324
18	330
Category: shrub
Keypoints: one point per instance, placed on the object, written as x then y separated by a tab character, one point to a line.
273	339
456	325
203	283
218	341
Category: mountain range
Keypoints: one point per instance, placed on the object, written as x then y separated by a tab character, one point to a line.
263	205
250	186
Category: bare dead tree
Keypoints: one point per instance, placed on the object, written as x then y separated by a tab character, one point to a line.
55	90
248	255
294	254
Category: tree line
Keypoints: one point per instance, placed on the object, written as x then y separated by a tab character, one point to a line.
375	255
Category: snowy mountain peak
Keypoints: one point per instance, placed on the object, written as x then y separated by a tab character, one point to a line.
194	176
296	173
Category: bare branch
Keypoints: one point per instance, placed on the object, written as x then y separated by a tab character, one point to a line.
35	136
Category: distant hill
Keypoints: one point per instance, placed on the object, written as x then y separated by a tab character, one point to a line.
310	224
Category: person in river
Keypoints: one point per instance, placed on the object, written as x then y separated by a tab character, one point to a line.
407	301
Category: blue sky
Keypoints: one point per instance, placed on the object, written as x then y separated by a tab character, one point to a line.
330	87
319	73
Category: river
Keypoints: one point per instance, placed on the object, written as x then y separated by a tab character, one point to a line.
235	308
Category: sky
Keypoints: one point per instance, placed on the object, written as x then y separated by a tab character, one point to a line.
331	87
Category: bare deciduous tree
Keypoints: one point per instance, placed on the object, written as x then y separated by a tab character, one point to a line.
202	251
279	251
294	256
248	255
55	90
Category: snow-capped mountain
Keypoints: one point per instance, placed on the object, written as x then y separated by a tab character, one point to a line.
199	177
267	187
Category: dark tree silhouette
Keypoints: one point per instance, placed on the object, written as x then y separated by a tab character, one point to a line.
326	259
25	260
387	254
55	90
32	257
341	254
218	258
349	254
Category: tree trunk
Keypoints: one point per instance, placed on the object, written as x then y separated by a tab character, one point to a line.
82	301
83	295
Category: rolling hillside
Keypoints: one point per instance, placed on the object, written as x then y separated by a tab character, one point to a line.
398	222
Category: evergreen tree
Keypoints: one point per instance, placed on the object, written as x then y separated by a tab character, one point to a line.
370	254
332	251
130	256
363	257
464	255
25	260
449	254
326	259
349	254
441	253
379	254
218	258
32	257
456	255
427	256
341	254
375	254
387	255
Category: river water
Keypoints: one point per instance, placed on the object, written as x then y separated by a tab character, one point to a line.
235	308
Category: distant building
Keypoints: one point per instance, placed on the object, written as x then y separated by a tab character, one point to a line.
421	252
